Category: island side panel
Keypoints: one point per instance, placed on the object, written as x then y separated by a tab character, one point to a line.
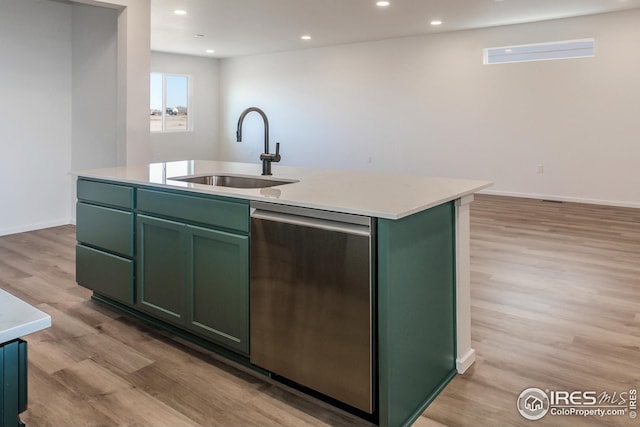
465	354
416	311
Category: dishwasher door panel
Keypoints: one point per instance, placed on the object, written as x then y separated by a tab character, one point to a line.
311	308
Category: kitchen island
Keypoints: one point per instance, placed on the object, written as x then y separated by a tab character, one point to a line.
160	243
17	319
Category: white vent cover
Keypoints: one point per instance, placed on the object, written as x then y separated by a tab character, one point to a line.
540	52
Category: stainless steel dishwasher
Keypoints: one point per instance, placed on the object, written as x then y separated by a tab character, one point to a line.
311	299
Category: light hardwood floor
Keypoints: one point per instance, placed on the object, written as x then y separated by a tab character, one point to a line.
555	305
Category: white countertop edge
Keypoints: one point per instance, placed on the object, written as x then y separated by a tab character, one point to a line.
467	188
18	318
25	329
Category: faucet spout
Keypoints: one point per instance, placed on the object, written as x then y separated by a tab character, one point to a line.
266	157
264	119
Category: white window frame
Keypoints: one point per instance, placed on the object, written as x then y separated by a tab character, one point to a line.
549	51
189	127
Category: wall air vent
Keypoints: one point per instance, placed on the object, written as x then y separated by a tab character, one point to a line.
583	48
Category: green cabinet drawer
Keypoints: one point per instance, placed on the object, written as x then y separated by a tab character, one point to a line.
105	193
106	228
202	210
106	274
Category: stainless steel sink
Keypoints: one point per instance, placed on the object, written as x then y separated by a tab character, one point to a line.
234	181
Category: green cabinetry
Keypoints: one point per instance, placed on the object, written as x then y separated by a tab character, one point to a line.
218	286
161	268
416	312
105	228
107	274
211	211
195	276
105	234
183	258
105	193
13	382
179	257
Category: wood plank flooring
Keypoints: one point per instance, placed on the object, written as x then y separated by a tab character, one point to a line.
555	301
555	305
98	367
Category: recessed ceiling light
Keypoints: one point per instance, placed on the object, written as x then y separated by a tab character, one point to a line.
180	12
436	23
210	51
383	3
306	37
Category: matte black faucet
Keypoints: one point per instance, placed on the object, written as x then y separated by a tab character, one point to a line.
266	157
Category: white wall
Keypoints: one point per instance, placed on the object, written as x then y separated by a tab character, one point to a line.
35	135
134	53
69	86
427	105
201	141
133	56
94	87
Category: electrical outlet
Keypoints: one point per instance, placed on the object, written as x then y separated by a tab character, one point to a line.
540	169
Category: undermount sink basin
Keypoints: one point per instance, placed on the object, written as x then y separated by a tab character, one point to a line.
234	181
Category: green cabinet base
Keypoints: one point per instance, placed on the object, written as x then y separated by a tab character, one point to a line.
185	269
13	382
416	312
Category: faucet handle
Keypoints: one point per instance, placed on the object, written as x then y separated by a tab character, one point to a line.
276	157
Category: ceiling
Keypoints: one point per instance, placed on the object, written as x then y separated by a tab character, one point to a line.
248	27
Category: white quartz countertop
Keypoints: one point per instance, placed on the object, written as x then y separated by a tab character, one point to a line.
382	195
17	318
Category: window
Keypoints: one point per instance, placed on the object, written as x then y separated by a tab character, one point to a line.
540	52
169	103
158	172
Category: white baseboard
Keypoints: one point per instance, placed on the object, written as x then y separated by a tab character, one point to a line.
32	227
465	361
562	198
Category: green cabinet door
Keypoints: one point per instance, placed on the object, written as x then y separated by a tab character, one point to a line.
13	382
195	277
218	286
161	274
